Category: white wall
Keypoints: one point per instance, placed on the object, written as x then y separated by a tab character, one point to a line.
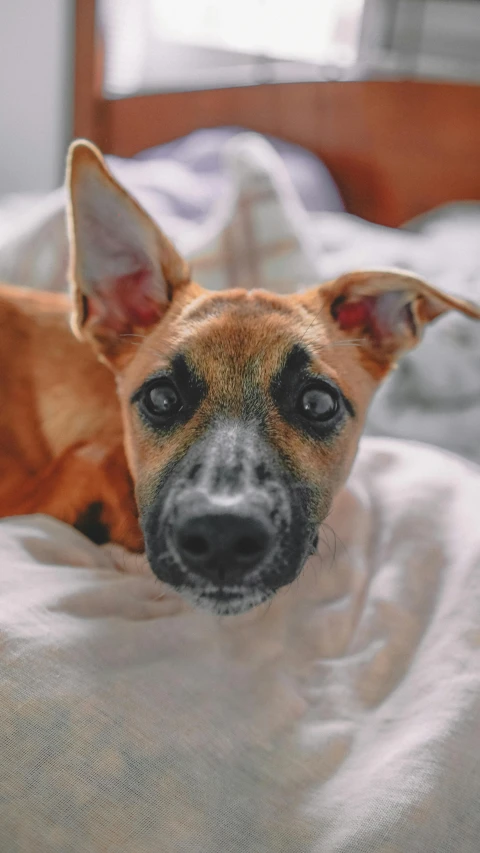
36	79
453	30
449	33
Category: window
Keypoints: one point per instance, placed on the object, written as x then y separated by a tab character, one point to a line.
422	38
153	44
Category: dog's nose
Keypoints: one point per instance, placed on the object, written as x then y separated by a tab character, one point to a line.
223	541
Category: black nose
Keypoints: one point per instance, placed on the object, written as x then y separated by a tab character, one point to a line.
222	544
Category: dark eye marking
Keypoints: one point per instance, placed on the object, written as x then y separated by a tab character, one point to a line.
169	398
311	403
297	360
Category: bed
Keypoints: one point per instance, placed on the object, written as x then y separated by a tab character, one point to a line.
344	717
396	148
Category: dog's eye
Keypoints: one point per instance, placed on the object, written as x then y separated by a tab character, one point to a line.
162	400
318	403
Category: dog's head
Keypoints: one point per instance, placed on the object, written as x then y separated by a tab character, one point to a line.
242	410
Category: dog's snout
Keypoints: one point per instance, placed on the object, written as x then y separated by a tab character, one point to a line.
221	541
230	524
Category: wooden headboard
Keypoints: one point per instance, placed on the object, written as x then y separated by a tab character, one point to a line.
395	148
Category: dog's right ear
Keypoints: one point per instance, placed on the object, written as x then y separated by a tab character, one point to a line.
123	270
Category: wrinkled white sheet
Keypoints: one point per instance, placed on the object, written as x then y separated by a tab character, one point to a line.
342	718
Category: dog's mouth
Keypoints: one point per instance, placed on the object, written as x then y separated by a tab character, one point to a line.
223	596
225	601
230	561
230	599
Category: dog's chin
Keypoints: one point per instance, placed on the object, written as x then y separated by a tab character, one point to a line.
229	598
224	601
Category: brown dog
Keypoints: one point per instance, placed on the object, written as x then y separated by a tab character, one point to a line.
237	415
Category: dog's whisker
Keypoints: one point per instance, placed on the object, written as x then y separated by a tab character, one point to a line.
337	541
316	320
349	343
140	343
147	349
133	335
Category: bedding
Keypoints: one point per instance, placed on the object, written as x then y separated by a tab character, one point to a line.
253	212
343	717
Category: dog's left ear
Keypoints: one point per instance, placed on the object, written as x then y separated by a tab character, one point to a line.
123	270
387	310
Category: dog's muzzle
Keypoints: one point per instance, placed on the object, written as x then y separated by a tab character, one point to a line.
223	538
229	525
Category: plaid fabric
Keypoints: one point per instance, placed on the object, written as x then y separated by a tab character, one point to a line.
260	237
256	237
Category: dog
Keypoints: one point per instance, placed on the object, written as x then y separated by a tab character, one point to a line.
211	430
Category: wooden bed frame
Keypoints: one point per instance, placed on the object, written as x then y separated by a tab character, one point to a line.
396	148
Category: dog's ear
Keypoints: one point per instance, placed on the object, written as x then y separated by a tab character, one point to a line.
123	270
387	310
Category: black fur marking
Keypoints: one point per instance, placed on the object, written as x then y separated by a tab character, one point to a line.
287	385
191	388
90	524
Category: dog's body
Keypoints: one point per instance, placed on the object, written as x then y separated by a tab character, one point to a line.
61	438
236	415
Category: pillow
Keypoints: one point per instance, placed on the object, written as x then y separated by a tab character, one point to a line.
343	716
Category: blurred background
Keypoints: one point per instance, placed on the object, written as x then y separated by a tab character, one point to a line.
155	46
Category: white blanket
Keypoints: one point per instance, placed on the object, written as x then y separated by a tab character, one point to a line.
345	716
342	718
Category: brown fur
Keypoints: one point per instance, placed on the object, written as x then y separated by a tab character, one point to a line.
70	437
61	438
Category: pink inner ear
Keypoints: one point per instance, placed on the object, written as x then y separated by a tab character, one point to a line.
350	315
126	302
384	316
